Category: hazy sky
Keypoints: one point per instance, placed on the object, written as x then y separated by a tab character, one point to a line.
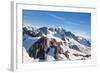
78	23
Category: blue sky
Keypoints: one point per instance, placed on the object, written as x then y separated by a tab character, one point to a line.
78	23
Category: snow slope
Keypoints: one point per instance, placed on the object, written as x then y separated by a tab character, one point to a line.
26	58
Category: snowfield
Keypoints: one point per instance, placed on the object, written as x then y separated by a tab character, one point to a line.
26	58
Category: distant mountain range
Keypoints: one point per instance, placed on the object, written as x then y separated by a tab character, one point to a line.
58	32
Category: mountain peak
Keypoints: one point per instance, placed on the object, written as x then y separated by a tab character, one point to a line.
59	27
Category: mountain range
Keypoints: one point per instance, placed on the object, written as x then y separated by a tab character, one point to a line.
79	48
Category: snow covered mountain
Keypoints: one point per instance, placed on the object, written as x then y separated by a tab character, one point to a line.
84	41
73	47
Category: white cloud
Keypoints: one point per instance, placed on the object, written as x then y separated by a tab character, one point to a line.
56	17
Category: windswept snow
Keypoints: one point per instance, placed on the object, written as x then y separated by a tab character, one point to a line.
62	57
53	37
50	58
64	48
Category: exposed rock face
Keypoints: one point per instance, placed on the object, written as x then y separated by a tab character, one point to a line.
75	47
39	48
